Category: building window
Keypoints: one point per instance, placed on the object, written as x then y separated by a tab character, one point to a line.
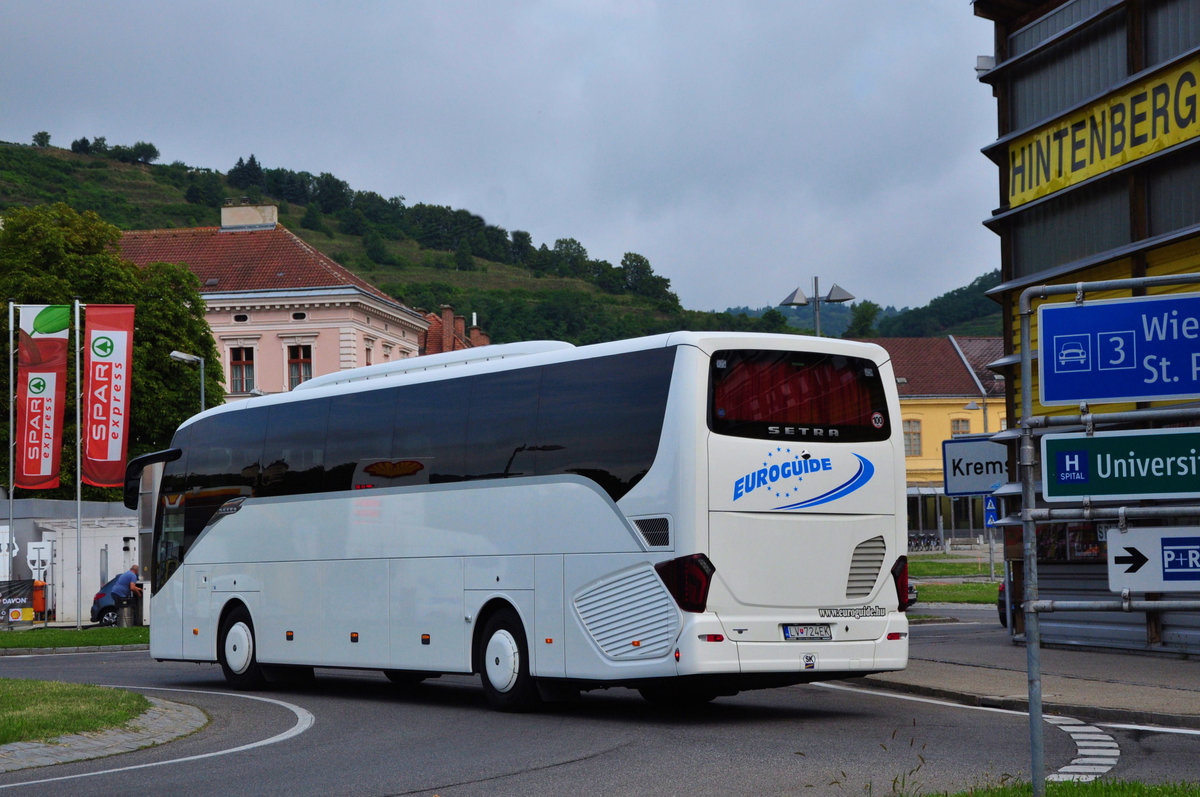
241	318
241	369
299	365
960	427
387	352
912	438
299	316
370	352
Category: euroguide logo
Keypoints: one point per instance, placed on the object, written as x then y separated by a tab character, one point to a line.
783	474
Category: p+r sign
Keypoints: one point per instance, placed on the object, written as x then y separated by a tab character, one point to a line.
1154	559
1140	349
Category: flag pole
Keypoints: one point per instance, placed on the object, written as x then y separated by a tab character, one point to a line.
78	481
11	442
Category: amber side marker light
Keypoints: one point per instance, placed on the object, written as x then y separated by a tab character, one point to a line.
290	636
195	632
354	636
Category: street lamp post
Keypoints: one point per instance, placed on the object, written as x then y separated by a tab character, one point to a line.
797	299
973	405
184	357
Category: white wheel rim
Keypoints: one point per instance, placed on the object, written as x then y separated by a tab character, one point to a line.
239	647
502	661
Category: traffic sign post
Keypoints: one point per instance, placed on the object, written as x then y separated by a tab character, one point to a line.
973	465
1121	466
1154	560
1139	349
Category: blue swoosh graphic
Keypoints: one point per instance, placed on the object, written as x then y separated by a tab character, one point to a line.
865	471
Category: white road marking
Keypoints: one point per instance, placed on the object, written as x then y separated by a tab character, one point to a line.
304	721
1088	739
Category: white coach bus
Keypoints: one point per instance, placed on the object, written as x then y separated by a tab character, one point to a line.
690	515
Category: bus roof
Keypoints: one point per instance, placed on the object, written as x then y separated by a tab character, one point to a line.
540	352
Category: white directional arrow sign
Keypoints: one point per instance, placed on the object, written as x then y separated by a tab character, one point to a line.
1154	560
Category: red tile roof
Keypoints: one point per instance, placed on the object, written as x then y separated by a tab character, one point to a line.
243	260
928	366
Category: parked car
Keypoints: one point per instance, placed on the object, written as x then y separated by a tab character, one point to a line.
1001	597
104	605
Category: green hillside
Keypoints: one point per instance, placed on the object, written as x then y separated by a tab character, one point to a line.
422	255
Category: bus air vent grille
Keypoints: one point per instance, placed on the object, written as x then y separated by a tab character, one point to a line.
656	531
865	567
630	615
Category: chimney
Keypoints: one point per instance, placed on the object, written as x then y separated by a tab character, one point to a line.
460	329
447	328
479	337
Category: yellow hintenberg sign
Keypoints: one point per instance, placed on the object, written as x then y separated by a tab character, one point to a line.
1150	116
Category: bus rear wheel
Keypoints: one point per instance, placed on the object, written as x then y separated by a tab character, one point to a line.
504	665
235	649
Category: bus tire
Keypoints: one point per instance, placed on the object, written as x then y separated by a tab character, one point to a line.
236	651
504	665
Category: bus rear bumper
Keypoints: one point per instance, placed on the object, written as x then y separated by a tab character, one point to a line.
704	650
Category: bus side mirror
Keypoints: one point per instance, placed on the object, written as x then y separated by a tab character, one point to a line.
133	472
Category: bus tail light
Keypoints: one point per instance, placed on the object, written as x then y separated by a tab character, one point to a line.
688	579
900	576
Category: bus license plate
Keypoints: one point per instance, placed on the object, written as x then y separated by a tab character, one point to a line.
818	631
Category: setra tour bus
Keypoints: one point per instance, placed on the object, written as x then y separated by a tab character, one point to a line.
689	514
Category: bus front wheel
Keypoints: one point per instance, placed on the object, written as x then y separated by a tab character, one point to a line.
236	651
504	668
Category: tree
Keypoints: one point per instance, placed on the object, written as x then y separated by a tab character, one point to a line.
522	246
50	255
462	256
81	146
41	139
144	152
862	320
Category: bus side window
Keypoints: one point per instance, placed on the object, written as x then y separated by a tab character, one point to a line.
602	418
293	461
359	430
218	469
431	430
501	424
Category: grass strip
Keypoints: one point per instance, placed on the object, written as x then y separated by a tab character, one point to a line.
38	711
956	593
924	568
74	638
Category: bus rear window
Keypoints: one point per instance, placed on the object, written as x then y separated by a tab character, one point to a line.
784	395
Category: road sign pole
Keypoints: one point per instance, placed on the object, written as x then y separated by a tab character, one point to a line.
1033	639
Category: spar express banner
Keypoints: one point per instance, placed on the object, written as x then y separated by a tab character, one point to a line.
41	393
108	356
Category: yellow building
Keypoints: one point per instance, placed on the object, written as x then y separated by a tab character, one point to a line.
946	391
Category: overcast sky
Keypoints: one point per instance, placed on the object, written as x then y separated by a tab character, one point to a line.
742	147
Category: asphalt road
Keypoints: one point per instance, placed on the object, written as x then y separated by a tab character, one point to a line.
369	737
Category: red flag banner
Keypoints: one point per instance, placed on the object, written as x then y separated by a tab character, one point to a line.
108	357
41	393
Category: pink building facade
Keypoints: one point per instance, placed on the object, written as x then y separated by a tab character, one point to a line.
281	312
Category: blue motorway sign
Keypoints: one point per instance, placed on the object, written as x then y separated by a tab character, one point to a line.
1138	349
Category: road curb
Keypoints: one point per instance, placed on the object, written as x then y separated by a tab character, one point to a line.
79	649
165	721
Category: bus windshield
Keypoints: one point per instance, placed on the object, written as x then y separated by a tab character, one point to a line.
786	394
